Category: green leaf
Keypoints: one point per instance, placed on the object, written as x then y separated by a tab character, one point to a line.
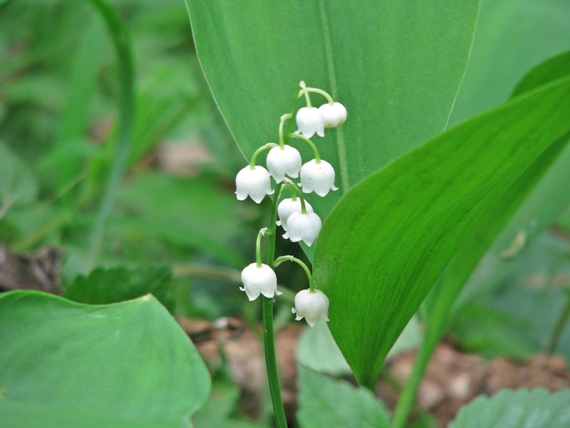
35	415
390	238
396	65
318	351
104	286
123	362
535	408
325	402
551	69
534	208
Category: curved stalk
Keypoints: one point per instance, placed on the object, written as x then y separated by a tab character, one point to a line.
121	41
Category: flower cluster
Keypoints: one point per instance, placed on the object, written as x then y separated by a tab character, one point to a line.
296	216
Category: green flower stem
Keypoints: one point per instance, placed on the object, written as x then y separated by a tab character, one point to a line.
294	189
121	41
273	226
323	93
435	326
289	129
407	399
258	151
300	263
258	246
305	93
268	331
281	125
310	143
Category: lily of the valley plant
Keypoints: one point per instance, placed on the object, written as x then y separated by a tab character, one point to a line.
286	172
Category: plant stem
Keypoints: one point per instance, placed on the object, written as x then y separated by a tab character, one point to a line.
323	93
292	259
258	151
281	124
559	328
268	331
310	143
407	399
121	41
271	362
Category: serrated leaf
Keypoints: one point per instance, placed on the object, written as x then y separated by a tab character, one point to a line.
534	408
103	286
396	65
325	402
391	236
123	362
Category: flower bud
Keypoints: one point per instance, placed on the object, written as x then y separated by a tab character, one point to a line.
312	306
259	280
284	161
255	183
317	177
304	227
310	121
333	114
287	207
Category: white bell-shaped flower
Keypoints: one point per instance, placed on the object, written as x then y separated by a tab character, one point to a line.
287	207
255	183
317	177
313	306
259	280
284	161
304	227
310	121
333	114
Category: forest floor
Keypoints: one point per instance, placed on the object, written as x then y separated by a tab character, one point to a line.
452	379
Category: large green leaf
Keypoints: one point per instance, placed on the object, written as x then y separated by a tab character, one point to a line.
325	402
535	408
127	362
536	208
396	65
385	244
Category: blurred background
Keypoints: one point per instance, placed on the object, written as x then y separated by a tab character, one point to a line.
59	89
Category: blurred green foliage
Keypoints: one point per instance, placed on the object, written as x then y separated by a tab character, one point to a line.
58	122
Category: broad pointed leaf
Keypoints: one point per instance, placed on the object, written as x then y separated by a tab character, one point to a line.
396	65
391	236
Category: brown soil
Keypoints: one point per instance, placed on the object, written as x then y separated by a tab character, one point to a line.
452	378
